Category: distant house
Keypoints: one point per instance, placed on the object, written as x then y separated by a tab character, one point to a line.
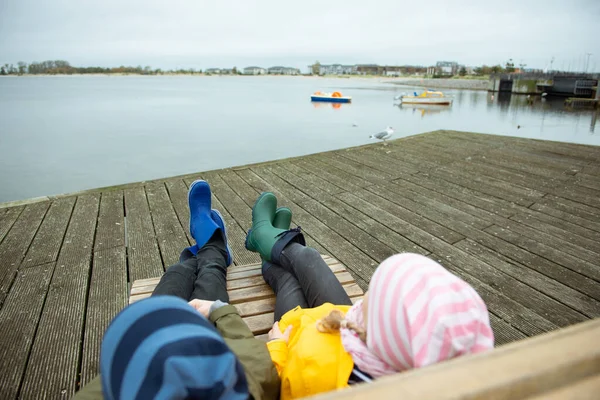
446	68
283	71
369	69
213	71
226	71
337	69
254	71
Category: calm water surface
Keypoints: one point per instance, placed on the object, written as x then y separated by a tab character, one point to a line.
64	134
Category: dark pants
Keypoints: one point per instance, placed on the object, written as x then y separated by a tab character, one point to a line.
203	276
302	279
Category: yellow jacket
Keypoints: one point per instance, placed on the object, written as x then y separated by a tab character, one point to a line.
312	362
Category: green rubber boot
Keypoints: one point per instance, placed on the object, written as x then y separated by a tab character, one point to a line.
263	236
283	218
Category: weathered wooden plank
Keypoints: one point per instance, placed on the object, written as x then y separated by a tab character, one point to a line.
480	185
513	191
558	227
17	241
443	201
19	318
588	181
370	245
473	197
567	242
504	333
142	249
334	175
377	163
178	193
409	216
107	296
299	182
547	267
53	367
353	168
555	311
563	209
111	221
234	205
8	218
316	181
552	250
433	210
397	242
47	241
169	232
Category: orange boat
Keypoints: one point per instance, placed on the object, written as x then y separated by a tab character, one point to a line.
335	97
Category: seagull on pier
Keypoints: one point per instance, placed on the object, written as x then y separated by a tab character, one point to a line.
383	135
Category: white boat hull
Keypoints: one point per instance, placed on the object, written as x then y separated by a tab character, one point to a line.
426	100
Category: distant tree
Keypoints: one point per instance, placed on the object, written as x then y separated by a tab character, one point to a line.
234	71
463	71
478	71
496	69
510	66
522	67
2	71
22	66
316	68
147	70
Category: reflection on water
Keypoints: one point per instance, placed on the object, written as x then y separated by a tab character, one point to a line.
324	104
425	109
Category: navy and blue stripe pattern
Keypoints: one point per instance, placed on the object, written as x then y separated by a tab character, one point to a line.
161	348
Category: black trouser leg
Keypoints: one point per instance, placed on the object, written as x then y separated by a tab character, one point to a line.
316	279
211	283
286	287
178	280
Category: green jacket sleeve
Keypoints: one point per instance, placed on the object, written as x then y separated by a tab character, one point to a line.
91	391
263	380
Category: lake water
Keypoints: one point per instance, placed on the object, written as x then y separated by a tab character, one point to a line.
64	134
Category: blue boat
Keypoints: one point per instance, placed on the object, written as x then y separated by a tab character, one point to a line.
335	97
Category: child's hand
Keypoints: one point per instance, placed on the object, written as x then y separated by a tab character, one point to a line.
275	332
202	306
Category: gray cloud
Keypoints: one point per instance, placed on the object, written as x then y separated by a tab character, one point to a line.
200	34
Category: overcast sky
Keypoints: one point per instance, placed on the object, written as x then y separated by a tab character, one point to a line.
201	34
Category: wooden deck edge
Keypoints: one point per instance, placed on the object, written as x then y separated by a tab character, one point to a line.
24	202
531	367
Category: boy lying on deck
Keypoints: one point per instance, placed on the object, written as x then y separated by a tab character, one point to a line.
415	313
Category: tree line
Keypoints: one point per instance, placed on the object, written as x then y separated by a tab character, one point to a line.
61	67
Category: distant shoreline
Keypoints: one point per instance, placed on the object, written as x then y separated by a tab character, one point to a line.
465	84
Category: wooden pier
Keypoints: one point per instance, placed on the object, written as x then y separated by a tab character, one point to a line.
518	219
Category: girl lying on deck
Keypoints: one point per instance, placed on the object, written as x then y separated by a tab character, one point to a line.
416	313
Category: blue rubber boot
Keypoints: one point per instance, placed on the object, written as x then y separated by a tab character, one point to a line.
218	218
202	224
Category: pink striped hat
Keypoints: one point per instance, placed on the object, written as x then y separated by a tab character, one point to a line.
420	314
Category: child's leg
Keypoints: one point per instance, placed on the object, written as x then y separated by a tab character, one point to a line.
178	280
316	279
286	287
211	283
